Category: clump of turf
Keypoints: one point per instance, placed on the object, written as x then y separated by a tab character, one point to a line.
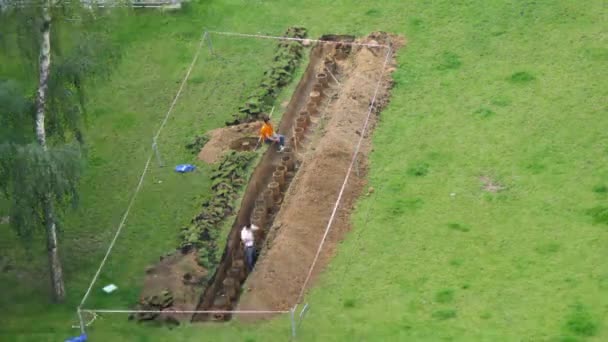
599	214
536	167
521	77
197	144
442	315
373	12
418	170
501	101
458	227
280	73
483	112
416	22
449	60
402	205
456	262
349	303
600	189
444	296
581	322
548	248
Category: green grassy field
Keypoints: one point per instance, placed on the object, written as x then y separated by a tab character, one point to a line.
511	91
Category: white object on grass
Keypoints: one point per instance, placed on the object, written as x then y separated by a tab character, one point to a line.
110	288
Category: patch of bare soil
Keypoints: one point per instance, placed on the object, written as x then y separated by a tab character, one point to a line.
491	185
227	138
299	226
181	276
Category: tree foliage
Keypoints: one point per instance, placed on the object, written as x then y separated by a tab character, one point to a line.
40	146
81	52
16	114
28	173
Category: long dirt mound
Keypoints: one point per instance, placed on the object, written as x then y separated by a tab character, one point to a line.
324	157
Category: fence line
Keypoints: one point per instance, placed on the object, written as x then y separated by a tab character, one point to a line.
206	35
141	179
246	35
188	311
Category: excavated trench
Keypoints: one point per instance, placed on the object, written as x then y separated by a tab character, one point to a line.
272	177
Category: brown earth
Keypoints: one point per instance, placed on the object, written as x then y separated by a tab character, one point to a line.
223	139
300	223
220	294
298	228
178	273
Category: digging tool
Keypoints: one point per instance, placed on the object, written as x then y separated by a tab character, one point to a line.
295	139
332	76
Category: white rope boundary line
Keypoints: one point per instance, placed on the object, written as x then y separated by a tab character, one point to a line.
350	168
143	174
188	311
246	35
89	323
121	225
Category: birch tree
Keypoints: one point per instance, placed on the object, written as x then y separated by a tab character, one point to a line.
56	270
42	135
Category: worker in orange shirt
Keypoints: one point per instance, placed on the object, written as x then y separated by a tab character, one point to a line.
268	135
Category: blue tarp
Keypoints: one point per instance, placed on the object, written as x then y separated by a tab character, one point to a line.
81	338
182	168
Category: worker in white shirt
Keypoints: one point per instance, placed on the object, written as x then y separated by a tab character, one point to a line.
248	241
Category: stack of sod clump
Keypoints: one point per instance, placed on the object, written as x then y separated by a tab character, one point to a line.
203	232
157	302
197	144
280	73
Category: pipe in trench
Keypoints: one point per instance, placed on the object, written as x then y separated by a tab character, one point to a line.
306	116
301	123
288	163
299	134
311	107
322	79
279	177
276	192
315	97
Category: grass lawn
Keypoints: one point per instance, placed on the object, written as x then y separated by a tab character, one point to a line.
511	92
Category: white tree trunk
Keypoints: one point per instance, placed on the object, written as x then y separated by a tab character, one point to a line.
53	251
51	228
43	82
